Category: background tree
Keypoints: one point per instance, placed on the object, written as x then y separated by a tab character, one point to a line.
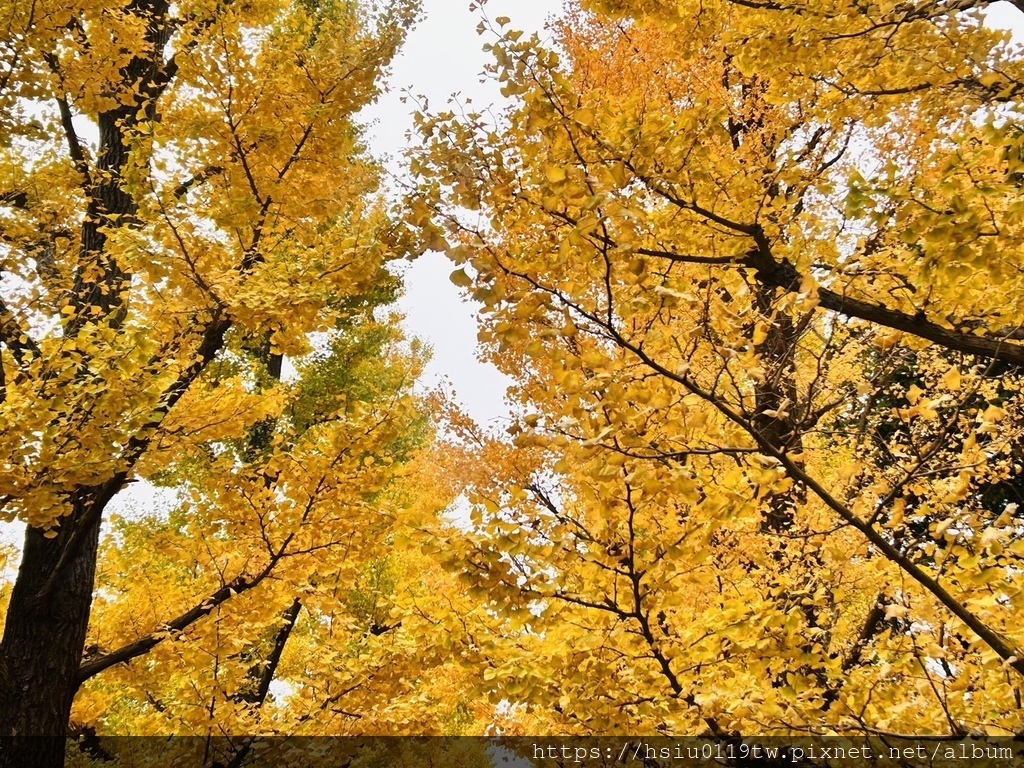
756	282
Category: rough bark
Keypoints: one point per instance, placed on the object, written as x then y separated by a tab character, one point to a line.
777	392
43	639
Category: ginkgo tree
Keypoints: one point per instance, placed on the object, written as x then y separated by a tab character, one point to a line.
755	268
185	203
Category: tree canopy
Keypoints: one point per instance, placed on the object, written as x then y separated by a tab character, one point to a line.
753	267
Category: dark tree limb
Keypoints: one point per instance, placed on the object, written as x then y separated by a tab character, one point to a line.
145	644
871	627
772	273
200	176
263	672
15	199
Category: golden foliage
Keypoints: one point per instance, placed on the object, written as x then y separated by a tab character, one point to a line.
753	267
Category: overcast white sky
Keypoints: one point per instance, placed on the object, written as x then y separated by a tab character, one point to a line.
443	57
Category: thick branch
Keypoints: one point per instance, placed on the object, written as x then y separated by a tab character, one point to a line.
784	275
772	273
100	496
201	176
918	325
869	630
264	672
144	645
15	199
75	151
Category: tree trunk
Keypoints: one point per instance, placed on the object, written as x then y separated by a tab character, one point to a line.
778	353
44	636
